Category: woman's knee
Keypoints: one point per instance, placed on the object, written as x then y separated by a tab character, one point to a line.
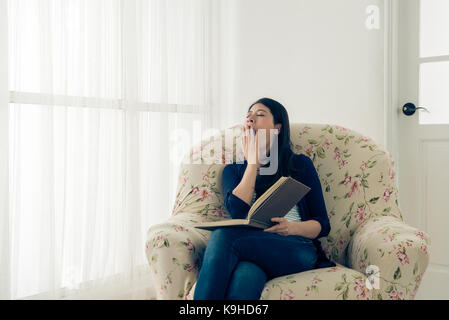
307	258
247	282
247	269
220	244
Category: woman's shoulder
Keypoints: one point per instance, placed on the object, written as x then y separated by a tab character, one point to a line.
302	166
233	168
235	165
301	159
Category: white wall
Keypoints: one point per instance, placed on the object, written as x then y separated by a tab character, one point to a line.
316	57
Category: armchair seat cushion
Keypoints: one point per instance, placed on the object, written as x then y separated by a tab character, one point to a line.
335	283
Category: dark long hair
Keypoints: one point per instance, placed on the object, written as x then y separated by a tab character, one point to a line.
286	165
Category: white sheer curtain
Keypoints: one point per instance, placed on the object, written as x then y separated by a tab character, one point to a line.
89	93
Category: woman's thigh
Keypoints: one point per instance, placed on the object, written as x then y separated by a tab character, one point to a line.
277	255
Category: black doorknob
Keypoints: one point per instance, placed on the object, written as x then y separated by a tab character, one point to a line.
409	109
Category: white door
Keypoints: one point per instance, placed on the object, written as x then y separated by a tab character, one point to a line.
423	79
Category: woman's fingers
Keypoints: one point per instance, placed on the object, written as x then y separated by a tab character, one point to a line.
244	146
272	229
245	143
250	145
280	228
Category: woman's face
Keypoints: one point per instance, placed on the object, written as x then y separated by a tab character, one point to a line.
260	117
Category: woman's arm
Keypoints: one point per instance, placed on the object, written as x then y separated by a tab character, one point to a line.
236	191
318	224
315	199
245	189
308	229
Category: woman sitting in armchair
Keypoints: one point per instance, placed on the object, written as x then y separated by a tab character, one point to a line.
238	260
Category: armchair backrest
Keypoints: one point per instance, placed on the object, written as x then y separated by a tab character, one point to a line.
357	178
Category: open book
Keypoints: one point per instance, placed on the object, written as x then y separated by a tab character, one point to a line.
275	202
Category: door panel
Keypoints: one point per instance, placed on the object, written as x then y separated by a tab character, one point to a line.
434	92
423	76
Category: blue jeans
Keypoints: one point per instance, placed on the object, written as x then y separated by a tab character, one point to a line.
239	260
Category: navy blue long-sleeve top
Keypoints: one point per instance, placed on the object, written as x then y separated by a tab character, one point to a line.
311	207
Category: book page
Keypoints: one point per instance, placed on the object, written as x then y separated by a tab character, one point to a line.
265	195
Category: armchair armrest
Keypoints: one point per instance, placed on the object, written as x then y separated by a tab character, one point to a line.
174	250
397	253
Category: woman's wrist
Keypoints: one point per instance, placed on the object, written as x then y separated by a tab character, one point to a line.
245	189
253	168
308	229
296	228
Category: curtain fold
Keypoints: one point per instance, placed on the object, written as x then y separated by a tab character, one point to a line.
90	92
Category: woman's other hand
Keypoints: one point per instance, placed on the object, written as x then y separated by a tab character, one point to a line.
284	227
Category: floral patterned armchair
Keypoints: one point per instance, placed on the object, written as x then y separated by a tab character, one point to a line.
377	255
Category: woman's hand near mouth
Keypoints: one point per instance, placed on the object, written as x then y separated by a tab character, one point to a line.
250	146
